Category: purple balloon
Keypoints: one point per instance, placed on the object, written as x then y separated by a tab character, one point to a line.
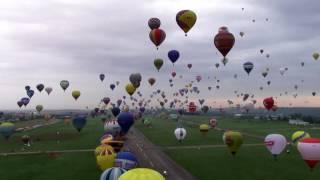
173	55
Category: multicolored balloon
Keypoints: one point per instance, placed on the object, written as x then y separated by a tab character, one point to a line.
157	36
154	23
186	19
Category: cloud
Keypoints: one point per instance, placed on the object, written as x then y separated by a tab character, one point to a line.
47	41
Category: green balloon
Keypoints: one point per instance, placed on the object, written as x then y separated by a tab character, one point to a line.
233	140
158	63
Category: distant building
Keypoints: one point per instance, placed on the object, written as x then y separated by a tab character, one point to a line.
238	115
298	122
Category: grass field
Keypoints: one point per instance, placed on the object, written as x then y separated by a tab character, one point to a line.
251	162
66	166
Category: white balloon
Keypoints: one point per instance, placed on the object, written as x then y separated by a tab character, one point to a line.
310	150
180	133
275	143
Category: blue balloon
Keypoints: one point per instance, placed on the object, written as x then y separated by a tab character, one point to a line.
79	122
112	86
126	160
30	93
112	173
115	111
142	109
25	101
125	120
101	76
173	55
27	88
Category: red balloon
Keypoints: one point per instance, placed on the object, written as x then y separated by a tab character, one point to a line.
268	103
224	41
157	36
192	107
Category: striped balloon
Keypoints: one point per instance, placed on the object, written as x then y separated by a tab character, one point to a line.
154	23
112	173
157	36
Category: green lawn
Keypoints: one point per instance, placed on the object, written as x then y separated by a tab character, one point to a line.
250	163
64	167
205	164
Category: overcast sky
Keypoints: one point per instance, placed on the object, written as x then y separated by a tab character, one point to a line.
52	40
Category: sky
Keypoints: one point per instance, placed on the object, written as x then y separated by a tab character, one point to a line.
53	40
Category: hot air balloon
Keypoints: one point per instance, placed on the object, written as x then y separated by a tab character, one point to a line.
79	122
40	87
39	108
213	122
158	63
25	101
105	156
198	78
141	174
205	109
125	120
173	56
224	41
20	104
248	66
115	111
268	103
7	129
224	61
275	143
192	107
233	140
76	94
186	20
106	100
157	36
126	160
264	74
173	74
299	136
130	89
30	93
64	84
112	173
309	149
315	56
151	81
135	79
241	34
26	140
154	23
189	66
101	77
48	90
112	127
27	88
204	128
112	86
180	134
217	65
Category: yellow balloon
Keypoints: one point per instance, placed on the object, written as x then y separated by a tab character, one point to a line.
105	156
76	94
299	136
141	174
233	140
186	19
130	89
204	128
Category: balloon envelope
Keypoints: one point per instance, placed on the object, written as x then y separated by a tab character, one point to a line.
275	143
7	129
79	122
180	133
141	174
125	120
186	20
309	149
